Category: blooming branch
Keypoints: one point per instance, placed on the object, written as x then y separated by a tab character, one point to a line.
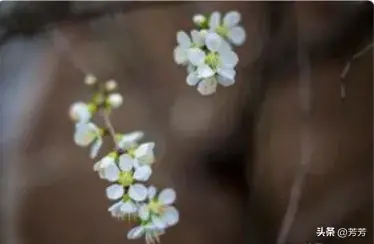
126	167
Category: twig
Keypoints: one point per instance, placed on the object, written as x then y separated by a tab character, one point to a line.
306	146
347	68
109	126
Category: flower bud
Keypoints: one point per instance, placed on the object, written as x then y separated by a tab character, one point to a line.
110	85
115	100
90	80
199	19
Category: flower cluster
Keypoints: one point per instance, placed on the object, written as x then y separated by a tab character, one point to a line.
207	52
127	167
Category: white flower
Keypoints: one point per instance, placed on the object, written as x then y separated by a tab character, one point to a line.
215	66
125	175
129	140
80	112
185	44
151	233
115	100
86	134
229	27
159	210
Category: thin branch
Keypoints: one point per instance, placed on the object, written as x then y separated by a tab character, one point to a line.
305	141
347	68
109	126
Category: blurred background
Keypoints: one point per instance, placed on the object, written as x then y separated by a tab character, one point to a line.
232	157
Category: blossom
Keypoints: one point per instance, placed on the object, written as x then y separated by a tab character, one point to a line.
86	134
185	44
80	112
159	210
102	165
229	27
129	140
150	231
215	66
125	176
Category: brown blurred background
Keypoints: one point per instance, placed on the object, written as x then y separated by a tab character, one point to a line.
232	157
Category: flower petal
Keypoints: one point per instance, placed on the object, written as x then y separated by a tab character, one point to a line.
213	41
144	212
115	209
231	19
207	86
152	192
192	79
214	20
114	192
111	173
227	72
224	81
143	173
96	147
136	232
144	153
138	192
196	56
158	222
170	216
180	55
237	35
126	162
130	139
128	207
183	39
229	58
167	196
85	133
79	112
204	71
197	38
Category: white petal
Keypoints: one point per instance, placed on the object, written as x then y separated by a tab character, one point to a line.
152	192
126	162
128	140
180	55
225	82
192	79
96	147
183	39
226	72
143	173
158	222
204	71
114	192
144	212
213	41
190	68
111	173
115	209
207	86
128	207
170	216
167	196
79	112
229	58
237	35
136	232
214	20
85	133
196	56
197	38
144	153
231	19
138	192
